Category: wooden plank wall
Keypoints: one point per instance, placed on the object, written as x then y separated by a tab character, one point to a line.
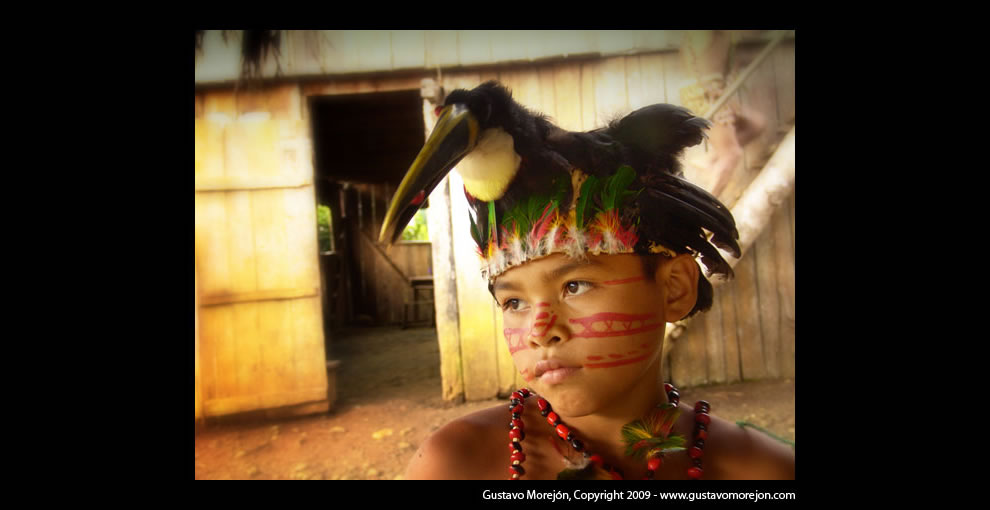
314	53
754	337
261	343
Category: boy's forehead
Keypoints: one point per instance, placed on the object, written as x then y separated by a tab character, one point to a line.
556	264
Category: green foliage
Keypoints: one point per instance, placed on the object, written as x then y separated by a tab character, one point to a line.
416	230
323	227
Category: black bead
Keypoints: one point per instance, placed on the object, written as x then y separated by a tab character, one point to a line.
545	412
674	395
522	435
701	426
518	469
700	443
570	436
697	462
649	474
515	416
514	402
577	445
517	446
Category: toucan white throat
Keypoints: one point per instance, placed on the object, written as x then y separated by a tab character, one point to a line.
489	168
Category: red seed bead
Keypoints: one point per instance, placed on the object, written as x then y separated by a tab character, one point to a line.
513	447
701	434
654	463
562	431
515	435
597	459
518	409
553	419
695	452
701	404
524	391
615	476
667	387
695	472
517	423
543	404
517	456
702	418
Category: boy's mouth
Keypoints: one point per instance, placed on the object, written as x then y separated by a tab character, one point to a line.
553	371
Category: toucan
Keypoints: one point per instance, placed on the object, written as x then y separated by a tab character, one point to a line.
503	150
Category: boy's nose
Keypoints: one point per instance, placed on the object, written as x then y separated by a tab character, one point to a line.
548	328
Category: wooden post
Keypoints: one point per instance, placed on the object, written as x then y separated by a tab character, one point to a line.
444	277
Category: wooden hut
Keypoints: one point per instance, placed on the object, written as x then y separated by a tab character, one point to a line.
262	164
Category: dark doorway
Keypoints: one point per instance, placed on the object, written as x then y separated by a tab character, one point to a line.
363	144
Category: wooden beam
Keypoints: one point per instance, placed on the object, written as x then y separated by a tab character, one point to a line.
261	295
248	182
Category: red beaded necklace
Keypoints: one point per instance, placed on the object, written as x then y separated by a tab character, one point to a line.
516	436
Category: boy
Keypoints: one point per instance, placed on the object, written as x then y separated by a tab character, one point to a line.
588	243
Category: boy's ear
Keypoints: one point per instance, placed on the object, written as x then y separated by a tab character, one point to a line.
679	276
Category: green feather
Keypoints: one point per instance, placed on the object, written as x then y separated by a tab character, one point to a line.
615	192
492	224
589	188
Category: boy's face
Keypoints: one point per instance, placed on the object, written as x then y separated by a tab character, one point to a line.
582	333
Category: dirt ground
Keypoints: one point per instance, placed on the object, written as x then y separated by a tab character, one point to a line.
389	401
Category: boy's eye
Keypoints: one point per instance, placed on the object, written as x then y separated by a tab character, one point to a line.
577	288
512	304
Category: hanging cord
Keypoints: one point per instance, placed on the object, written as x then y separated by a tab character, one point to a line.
745	424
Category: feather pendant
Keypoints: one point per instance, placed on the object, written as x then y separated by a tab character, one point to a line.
651	434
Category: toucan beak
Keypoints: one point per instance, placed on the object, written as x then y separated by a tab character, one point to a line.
454	135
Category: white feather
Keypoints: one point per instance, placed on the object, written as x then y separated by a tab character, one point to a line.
489	168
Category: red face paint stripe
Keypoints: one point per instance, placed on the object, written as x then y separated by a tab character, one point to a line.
603	334
615	356
519	344
542	315
608	318
542	304
595	358
627	280
617	363
545	328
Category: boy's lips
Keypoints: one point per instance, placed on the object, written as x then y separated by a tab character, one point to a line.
552	371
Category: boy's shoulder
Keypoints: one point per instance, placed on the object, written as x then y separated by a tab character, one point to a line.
742	453
464	448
